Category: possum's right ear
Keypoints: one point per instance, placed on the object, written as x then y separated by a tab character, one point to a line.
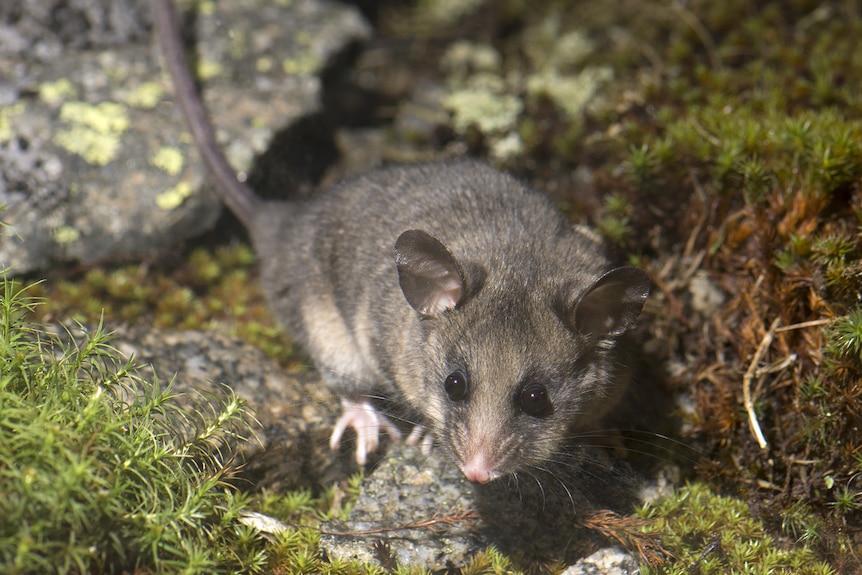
612	304
430	277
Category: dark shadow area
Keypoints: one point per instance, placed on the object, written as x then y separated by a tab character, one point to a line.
537	516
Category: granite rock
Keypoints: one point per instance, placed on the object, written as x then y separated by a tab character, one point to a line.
95	161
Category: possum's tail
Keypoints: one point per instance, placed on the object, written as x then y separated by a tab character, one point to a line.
240	199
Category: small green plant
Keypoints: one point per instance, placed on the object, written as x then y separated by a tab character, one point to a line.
490	561
845	336
800	522
103	471
847	500
615	222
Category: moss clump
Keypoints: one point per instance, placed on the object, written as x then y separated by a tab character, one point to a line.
213	289
708	533
103	471
754	163
615	220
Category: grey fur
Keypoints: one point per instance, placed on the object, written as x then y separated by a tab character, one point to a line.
396	279
329	270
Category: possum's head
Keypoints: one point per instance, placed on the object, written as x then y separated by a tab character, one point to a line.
516	358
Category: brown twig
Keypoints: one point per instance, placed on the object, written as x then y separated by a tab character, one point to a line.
624	530
803	325
463	516
750	373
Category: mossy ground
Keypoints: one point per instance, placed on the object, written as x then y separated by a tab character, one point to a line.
207	289
726	146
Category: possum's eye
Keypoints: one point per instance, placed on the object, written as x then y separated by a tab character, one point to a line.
534	400
456	385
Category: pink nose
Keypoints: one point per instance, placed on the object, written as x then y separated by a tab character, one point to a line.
478	469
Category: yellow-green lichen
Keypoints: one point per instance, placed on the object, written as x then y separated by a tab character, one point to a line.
304	38
559	75
263	64
489	91
550	47
105	118
238	44
169	159
571	93
7	114
98	149
507	147
302	64
462	59
53	92
66	235
208	69
174	197
146	96
93	130
206	7
484	109
446	12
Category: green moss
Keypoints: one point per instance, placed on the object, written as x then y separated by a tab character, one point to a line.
844	337
213	290
711	534
490	561
614	218
296	547
750	128
801	523
102	470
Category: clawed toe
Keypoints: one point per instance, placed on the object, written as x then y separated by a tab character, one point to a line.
420	436
361	416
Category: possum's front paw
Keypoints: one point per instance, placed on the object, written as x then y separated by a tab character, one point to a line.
361	416
422	437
